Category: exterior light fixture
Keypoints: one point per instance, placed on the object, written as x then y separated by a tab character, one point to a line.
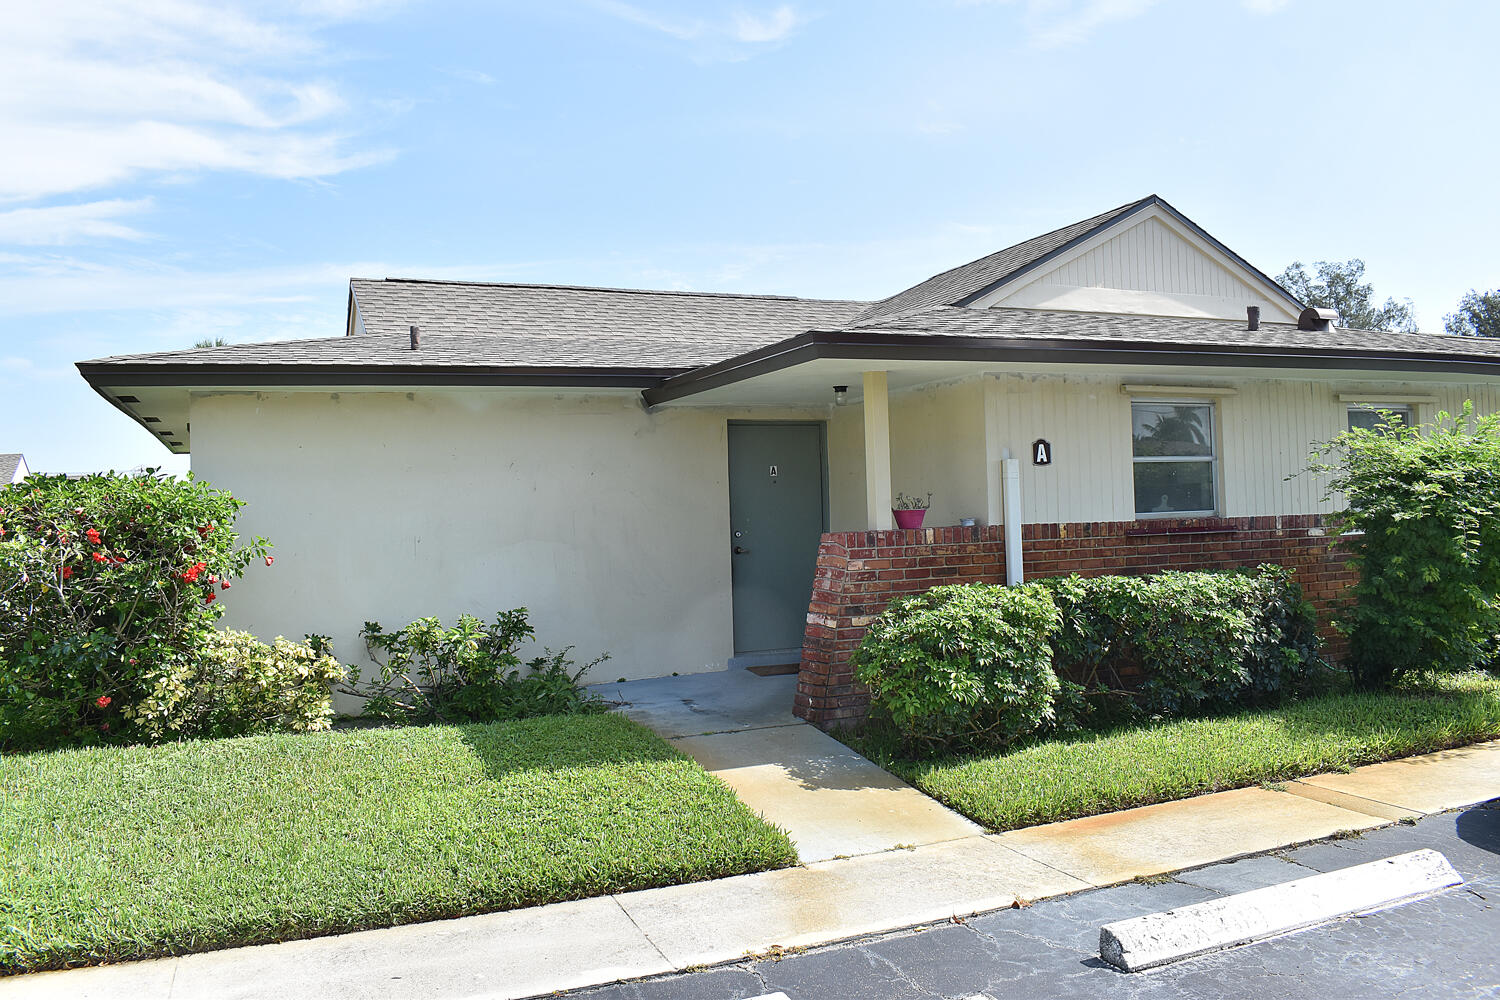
840	395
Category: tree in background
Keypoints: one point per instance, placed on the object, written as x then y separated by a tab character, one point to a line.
211	342
1478	315
1339	287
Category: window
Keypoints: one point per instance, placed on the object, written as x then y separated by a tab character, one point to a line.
1174	458
1367	416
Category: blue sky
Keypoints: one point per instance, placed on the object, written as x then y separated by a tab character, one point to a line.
174	170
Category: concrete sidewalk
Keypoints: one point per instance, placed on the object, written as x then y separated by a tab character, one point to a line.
525	953
833	802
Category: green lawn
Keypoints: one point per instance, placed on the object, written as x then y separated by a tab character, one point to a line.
119	853
1083	776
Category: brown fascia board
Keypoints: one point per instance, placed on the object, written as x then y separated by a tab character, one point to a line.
904	347
298	375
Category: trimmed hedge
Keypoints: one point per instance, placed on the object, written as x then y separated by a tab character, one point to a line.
976	665
1181	642
962	664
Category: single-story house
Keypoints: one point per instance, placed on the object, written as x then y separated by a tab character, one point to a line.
12	468
695	481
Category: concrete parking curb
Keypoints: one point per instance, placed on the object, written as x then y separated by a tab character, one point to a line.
1159	938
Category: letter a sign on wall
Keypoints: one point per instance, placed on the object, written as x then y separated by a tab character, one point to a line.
1041	452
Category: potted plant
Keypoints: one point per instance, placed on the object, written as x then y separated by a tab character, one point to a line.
909	511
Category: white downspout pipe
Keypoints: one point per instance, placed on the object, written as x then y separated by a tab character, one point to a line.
1010	476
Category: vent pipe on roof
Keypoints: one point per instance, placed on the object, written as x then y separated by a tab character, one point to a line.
1321	320
416	337
1252	313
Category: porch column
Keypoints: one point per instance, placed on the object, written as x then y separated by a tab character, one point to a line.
877	453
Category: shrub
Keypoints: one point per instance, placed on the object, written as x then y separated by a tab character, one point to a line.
469	673
1422	519
962	665
107	583
1175	642
237	686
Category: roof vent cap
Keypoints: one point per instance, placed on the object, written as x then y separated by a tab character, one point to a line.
1321	320
1252	315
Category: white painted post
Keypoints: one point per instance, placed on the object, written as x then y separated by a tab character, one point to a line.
877	453
1011	475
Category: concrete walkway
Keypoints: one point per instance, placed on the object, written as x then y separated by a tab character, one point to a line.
833	802
525	953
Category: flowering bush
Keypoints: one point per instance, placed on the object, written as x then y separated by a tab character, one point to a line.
107	583
238	685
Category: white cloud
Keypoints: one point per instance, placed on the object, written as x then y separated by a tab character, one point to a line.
474	76
61	224
1056	23
772	27
95	92
734	37
1264	6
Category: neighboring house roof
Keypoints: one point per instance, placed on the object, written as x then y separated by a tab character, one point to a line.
672	344
10	464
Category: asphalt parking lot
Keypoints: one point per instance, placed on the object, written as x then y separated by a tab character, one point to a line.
1445	946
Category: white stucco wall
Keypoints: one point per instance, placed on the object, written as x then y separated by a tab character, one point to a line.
610	524
937	445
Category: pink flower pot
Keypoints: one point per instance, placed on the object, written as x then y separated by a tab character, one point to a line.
907	519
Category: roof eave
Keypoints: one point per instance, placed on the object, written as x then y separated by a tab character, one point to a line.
190	375
924	347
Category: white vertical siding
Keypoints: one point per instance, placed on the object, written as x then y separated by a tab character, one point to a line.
1087	421
1267	432
1146	268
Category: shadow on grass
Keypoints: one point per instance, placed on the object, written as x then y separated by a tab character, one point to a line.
562	742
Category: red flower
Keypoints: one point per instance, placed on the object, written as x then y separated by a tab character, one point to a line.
67	572
93	534
210	598
192	572
100	557
224	585
203	530
102	701
118	559
270	560
104	727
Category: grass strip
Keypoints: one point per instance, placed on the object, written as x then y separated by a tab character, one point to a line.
1069	777
124	853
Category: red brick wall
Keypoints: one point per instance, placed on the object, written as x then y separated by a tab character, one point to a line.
859	571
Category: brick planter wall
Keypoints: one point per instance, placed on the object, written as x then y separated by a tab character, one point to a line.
859	571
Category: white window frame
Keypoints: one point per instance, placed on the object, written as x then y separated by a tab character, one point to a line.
1212	459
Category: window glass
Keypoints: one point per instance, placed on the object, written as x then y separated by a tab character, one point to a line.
1172	429
1173	454
1369	418
1173	487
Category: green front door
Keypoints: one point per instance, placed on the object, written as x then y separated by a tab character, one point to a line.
776	517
